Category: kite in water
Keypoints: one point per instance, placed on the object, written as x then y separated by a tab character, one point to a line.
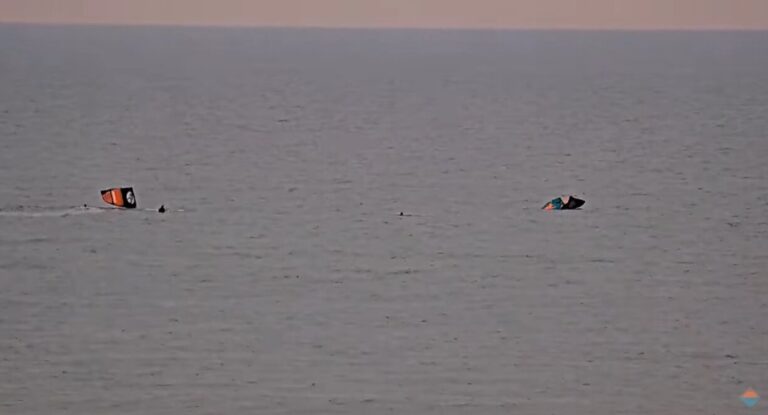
120	196
564	203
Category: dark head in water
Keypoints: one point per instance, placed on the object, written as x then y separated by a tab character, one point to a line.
162	209
564	203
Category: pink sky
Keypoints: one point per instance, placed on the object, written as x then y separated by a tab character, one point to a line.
598	14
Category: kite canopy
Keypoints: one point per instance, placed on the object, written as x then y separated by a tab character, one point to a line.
120	196
564	203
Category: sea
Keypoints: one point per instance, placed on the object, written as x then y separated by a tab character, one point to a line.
354	221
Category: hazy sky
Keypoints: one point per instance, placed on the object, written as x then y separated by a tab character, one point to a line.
622	14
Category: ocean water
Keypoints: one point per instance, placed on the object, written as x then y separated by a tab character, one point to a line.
283	279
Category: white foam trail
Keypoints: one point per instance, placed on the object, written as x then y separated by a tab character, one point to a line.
38	212
52	213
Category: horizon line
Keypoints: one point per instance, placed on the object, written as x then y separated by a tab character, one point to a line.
384	27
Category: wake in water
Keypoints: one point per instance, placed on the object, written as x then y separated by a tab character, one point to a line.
61	212
41	212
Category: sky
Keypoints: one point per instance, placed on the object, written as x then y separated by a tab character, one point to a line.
588	14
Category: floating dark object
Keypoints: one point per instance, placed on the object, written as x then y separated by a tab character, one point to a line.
564	203
120	196
162	209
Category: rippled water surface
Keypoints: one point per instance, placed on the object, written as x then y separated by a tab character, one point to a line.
283	278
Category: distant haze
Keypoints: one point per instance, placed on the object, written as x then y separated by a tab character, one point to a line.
595	14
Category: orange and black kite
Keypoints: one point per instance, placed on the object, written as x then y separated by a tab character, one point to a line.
120	196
